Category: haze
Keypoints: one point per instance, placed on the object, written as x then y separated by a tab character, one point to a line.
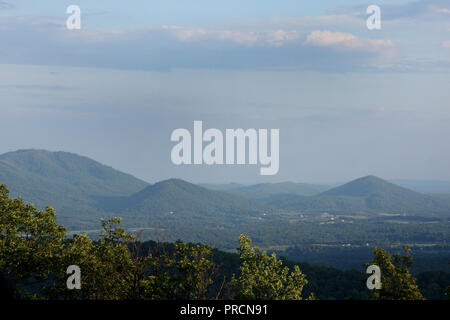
349	102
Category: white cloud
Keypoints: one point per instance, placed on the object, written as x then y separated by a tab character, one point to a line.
170	47
346	41
328	38
281	37
197	34
249	38
185	34
443	10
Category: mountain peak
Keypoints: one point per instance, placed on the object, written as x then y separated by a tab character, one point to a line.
176	196
175	183
364	186
371	178
52	178
172	181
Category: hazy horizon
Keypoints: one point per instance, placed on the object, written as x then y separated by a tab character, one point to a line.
248	183
348	101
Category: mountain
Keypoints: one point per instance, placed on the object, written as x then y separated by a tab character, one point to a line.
221	187
365	186
83	190
66	181
368	194
266	190
176	199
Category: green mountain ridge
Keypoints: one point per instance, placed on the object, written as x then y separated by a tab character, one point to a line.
221	186
66	181
366	194
176	197
83	190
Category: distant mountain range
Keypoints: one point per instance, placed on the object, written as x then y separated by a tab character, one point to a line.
367	194
265	190
82	190
221	186
309	189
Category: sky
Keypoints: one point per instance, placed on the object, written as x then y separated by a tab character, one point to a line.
348	101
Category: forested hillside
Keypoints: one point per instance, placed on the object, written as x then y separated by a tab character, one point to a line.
348	218
65	181
368	194
117	266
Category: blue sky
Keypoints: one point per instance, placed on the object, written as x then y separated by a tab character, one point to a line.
257	35
348	101
146	13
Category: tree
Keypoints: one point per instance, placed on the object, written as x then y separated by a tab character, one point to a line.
263	276
396	281
107	268
185	273
31	243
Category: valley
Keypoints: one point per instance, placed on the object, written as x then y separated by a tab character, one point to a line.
334	226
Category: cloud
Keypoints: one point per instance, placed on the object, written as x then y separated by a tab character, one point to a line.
280	37
327	38
248	38
46	41
346	41
199	34
6	5
443	10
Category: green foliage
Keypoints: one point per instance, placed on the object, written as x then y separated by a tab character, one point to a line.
114	268
31	243
396	281
108	269
434	285
185	273
263	276
34	254
426	258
